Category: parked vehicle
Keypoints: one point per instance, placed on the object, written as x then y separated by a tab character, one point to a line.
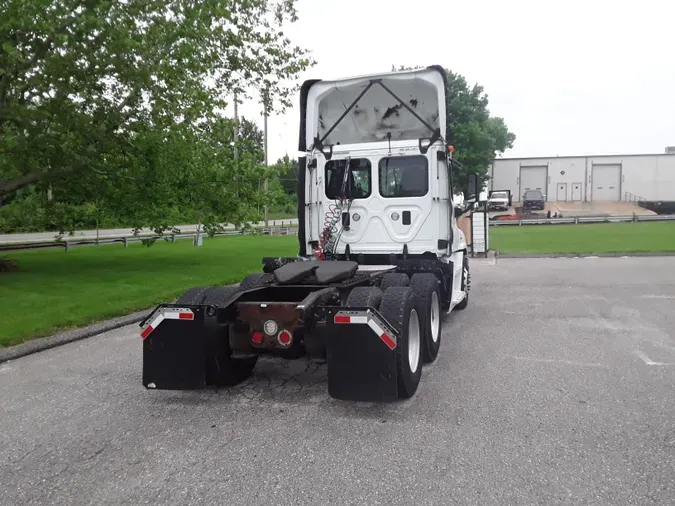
534	199
499	200
380	254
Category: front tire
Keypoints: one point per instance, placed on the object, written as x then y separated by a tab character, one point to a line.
429	299
399	308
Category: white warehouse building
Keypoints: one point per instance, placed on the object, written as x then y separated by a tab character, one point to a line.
602	178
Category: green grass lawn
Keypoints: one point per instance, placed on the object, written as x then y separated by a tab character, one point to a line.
588	238
55	290
280	215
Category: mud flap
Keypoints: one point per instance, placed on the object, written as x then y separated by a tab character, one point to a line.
361	352
173	347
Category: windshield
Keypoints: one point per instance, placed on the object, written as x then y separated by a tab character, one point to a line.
499	195
533	194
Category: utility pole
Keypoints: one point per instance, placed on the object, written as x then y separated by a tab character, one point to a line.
265	98
236	127
235	140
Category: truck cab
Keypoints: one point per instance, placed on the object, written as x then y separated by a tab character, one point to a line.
376	172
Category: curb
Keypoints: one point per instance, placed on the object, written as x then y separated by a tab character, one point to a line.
69	336
587	255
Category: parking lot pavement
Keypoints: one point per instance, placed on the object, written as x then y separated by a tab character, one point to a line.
555	386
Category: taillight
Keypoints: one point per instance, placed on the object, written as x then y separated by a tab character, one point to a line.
285	338
257	337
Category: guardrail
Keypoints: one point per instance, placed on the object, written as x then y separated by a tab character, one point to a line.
69	242
584	219
636	199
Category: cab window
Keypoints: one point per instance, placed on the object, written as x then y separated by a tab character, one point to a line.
359	180
403	176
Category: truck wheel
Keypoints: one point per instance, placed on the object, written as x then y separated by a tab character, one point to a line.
255	280
394	279
398	307
365	296
194	295
315	346
466	283
425	286
211	295
221	368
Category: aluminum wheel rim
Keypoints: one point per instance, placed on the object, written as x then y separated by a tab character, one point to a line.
435	317
414	342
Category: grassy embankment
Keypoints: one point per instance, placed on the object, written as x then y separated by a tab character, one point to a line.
55	290
590	238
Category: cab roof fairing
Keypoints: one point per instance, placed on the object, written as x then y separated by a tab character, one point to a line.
377	112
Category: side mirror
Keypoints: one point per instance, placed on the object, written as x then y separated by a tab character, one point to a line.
471	194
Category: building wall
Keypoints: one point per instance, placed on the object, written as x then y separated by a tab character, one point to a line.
648	176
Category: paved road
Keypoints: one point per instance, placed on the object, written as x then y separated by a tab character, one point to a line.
118	232
555	386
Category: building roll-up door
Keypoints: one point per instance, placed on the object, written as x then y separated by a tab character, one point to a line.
533	178
606	183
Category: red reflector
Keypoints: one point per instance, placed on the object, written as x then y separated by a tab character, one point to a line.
186	316
257	337
285	337
386	339
146	332
342	319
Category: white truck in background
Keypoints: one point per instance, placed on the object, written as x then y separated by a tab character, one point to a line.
499	200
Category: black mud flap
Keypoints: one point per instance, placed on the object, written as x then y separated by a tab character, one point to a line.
173	347
361	352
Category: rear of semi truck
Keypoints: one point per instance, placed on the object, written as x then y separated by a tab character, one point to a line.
380	254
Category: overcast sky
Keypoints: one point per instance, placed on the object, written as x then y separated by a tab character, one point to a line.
573	77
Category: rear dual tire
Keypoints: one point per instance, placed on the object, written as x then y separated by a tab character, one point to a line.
394	279
220	367
429	307
255	280
398	306
429	298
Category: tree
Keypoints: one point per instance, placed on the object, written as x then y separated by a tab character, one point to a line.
476	136
251	137
287	169
95	95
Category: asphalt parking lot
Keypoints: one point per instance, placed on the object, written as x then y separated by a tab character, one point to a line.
555	386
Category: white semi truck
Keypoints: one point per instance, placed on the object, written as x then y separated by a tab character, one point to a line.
380	254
